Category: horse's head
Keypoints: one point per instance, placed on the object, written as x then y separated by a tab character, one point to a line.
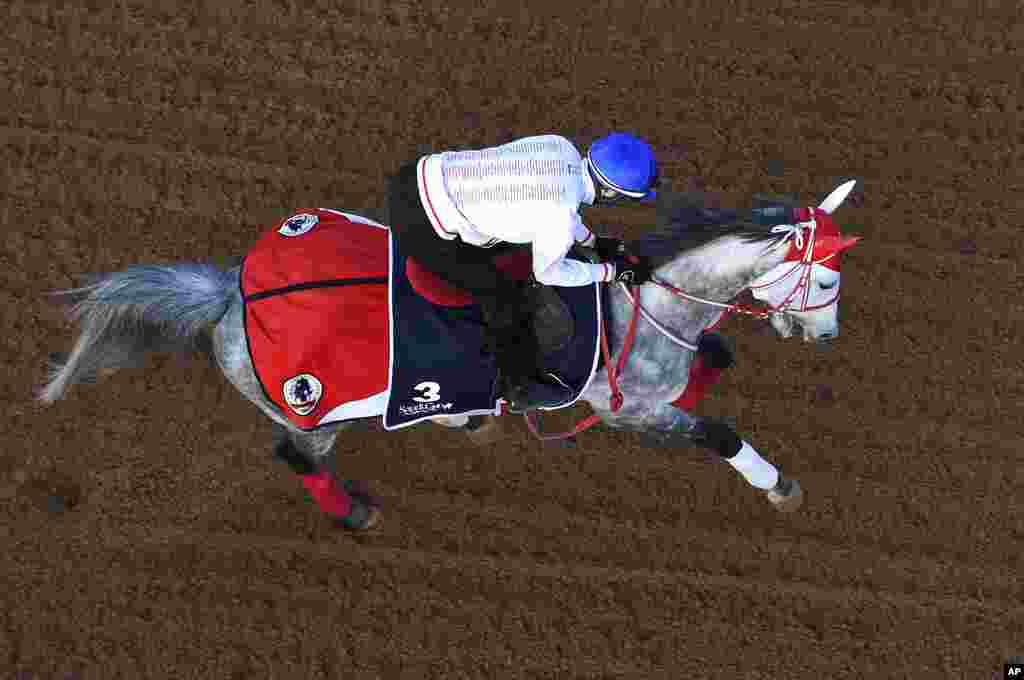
803	290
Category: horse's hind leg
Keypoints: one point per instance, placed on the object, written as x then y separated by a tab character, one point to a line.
308	455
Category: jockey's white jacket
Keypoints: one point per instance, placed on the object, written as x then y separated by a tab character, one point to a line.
526	191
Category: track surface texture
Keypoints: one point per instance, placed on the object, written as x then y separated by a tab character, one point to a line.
147	532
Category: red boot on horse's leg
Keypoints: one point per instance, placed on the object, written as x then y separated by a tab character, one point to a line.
329	498
350	503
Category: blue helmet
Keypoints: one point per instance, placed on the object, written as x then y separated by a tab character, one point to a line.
625	164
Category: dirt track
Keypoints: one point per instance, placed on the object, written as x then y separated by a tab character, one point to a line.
148	534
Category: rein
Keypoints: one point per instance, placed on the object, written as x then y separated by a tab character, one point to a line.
614	371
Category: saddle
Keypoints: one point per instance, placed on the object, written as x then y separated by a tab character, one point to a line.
441	362
553	321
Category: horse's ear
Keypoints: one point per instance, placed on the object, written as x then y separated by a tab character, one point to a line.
828	245
836	198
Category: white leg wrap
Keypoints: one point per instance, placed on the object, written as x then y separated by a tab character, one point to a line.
754	468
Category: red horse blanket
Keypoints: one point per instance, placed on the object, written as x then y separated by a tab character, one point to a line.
317	327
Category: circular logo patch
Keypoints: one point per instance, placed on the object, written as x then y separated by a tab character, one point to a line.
302	393
297	225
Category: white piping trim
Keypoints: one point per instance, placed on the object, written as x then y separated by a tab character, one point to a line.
479	412
391	328
375	405
356	218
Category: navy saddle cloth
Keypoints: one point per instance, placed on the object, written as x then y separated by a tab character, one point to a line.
439	364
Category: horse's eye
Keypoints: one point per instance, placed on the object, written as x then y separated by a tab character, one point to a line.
826	286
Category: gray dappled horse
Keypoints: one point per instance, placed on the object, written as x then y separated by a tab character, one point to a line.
703	259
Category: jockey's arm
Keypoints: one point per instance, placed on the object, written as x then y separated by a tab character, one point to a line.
583	235
552	241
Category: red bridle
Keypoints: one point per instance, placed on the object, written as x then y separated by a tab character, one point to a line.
805	262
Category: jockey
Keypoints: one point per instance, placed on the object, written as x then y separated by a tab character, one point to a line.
457	210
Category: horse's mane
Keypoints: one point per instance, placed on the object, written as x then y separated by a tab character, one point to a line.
686	222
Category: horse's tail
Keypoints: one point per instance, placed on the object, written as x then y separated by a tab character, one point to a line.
127	314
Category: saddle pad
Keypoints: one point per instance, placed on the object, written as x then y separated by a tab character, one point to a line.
315	299
336	332
439	366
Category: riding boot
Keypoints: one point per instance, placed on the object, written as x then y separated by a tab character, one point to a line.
524	384
512	336
543	390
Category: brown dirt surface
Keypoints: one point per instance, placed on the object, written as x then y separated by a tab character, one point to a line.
148	534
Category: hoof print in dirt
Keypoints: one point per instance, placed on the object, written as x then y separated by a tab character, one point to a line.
787	495
566	443
56	504
53	493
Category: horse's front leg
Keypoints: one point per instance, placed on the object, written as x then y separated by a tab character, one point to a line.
308	454
671	426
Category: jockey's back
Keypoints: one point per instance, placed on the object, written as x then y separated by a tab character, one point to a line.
505	193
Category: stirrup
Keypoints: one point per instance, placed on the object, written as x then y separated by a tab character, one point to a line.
534	394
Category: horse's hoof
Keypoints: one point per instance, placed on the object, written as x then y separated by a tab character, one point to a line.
787	495
459	421
366	507
485	430
362	519
371	521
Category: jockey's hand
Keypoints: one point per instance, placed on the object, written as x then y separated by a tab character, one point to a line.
631	269
607	248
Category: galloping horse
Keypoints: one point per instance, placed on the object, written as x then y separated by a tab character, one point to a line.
653	335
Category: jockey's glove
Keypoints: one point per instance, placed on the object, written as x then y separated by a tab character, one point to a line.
631	269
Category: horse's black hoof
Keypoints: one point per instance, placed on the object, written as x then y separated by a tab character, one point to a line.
715	351
475	423
484	430
366	507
